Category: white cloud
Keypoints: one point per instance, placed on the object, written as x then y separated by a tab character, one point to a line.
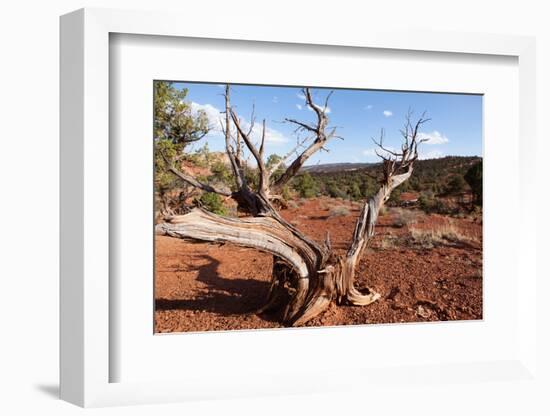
299	107
432	154
275	100
368	107
271	135
212	113
216	120
301	96
387	113
434	137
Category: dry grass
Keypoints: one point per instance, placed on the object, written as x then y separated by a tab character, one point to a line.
339	211
292	204
389	241
442	235
402	217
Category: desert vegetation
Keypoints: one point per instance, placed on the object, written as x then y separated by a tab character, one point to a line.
276	242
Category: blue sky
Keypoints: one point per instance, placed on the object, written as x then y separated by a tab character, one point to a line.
455	127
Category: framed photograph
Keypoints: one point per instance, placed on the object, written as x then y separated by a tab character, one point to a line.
381	211
284	213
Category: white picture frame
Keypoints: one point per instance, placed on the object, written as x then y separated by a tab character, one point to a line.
86	356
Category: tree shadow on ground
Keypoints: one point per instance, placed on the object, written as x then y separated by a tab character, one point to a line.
319	217
223	297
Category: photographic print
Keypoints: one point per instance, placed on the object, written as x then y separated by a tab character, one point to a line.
280	206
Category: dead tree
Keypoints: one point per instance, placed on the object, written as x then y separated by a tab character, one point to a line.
311	272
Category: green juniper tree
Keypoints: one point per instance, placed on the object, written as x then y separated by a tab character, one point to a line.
176	125
474	177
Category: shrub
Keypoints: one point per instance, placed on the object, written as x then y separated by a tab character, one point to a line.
474	177
286	193
213	203
339	211
403	217
434	205
355	191
221	173
456	185
292	204
306	186
434	237
394	197
389	241
335	191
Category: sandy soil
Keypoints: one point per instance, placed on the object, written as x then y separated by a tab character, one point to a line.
202	287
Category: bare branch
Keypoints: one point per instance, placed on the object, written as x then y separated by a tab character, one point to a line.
245	136
321	137
393	161
234	158
262	141
287	156
302	126
192	180
263	185
252	120
321	114
326	101
380	145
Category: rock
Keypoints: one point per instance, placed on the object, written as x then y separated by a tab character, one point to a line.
423	312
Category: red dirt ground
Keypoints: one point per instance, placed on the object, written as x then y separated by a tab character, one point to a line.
203	287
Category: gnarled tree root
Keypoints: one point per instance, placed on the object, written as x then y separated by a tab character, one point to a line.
358	299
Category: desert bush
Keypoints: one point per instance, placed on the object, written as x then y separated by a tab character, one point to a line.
212	202
442	235
403	217
334	191
474	177
355	191
394	198
292	204
273	160
455	185
389	241
339	211
433	205
220	173
306	186
286	193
